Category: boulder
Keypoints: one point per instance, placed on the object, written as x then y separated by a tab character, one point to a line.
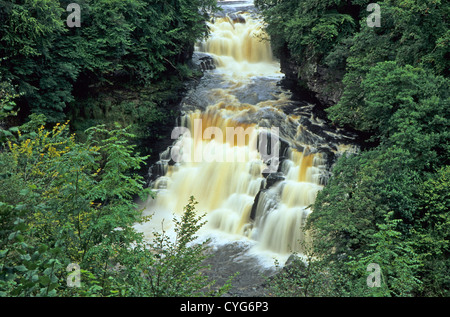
274	178
202	61
236	18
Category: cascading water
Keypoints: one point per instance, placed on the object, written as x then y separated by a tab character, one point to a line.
253	168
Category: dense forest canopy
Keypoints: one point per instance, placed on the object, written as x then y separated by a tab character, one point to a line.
388	204
69	198
136	39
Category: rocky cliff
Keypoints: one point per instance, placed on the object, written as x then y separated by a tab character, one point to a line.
310	78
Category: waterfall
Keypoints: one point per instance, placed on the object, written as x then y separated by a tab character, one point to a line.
236	151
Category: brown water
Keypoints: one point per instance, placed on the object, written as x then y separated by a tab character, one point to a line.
236	133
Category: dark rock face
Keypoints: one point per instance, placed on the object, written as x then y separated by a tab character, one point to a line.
236	18
202	61
274	178
251	280
312	78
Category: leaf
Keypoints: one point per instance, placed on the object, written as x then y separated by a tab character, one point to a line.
44	280
12	235
21	268
21	207
42	248
3	253
25	257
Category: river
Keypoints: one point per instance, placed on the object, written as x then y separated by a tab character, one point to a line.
252	156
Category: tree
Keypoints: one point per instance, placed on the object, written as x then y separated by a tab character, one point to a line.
175	266
432	233
407	107
314	28
61	200
396	258
65	202
411	33
361	191
386	203
140	40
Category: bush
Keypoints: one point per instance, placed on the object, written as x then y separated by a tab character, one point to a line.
64	202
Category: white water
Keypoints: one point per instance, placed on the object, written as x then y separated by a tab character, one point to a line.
225	175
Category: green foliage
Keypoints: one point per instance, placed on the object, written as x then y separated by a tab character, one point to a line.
175	267
404	106
397	260
388	204
366	186
51	193
30	31
144	40
327	271
411	33
7	96
307	27
309	277
369	213
432	233
66	201
62	202
148	111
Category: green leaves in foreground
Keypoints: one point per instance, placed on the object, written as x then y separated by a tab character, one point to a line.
175	266
65	202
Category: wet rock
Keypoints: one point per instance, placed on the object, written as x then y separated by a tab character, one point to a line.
324	84
293	267
265	139
254	206
236	7
265	201
294	261
159	169
202	61
227	260
236	18
260	89
274	178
